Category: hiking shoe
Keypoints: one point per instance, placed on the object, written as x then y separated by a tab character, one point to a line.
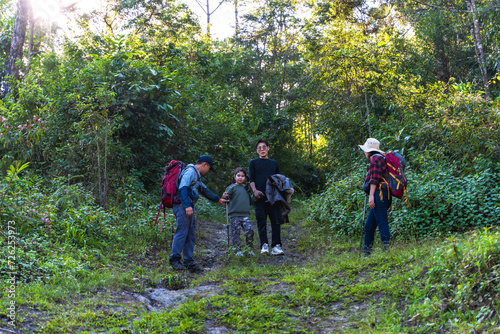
240	254
194	268
264	249
176	265
277	250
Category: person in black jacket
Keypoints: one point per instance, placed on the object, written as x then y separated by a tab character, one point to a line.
258	171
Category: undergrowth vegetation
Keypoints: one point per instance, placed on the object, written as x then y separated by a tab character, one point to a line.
414	288
88	123
439	202
422	286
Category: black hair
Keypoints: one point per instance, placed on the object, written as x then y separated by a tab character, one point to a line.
371	153
237	170
261	141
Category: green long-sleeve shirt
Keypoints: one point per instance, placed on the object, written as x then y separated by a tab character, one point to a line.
239	201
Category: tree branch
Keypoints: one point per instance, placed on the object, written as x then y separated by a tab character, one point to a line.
69	6
201	5
220	3
441	8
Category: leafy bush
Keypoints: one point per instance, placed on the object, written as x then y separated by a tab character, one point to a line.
439	202
58	225
442	202
340	206
462	280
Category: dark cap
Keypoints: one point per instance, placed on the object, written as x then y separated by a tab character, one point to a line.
207	159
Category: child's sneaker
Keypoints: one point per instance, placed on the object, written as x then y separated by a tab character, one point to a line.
264	249
277	250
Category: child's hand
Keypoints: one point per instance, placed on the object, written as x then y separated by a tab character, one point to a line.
225	195
223	201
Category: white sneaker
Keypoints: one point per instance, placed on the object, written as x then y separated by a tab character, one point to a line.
240	254
277	250
264	249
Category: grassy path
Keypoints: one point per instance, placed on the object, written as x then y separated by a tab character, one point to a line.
321	285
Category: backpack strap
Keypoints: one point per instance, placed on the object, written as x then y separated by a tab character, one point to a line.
184	171
158	215
159	209
163	221
385	181
388	189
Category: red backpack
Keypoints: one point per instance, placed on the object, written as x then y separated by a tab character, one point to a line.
397	182
169	193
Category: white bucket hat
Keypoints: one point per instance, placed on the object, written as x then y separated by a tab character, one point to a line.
371	145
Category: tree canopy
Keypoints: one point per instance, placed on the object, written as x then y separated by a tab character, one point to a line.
141	83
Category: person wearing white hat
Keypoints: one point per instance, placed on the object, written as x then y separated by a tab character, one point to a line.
379	198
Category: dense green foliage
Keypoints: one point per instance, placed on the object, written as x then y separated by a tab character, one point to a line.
438	203
118	107
86	131
108	111
61	232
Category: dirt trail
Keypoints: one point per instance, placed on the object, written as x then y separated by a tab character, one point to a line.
211	246
211	253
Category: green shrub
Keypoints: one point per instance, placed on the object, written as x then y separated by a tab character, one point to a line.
439	201
340	206
462	281
58	225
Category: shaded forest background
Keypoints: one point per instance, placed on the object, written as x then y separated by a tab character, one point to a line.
97	116
89	117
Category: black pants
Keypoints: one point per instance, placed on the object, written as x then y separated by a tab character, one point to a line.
262	210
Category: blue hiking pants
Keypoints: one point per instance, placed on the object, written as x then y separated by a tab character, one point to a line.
184	236
378	217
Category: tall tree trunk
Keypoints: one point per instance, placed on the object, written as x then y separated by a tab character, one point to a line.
311	139
236	24
99	178
206	9
367	117
30	43
282	83
105	190
476	37
208	18
18	37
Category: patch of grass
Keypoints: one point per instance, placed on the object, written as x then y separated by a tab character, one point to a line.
94	312
322	285
187	318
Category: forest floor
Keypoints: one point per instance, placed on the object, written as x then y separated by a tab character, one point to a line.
320	285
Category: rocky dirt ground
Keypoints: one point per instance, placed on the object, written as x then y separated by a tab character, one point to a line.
211	252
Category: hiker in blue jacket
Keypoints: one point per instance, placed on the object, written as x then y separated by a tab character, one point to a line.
190	186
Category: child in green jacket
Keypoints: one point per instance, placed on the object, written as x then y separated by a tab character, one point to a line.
239	210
